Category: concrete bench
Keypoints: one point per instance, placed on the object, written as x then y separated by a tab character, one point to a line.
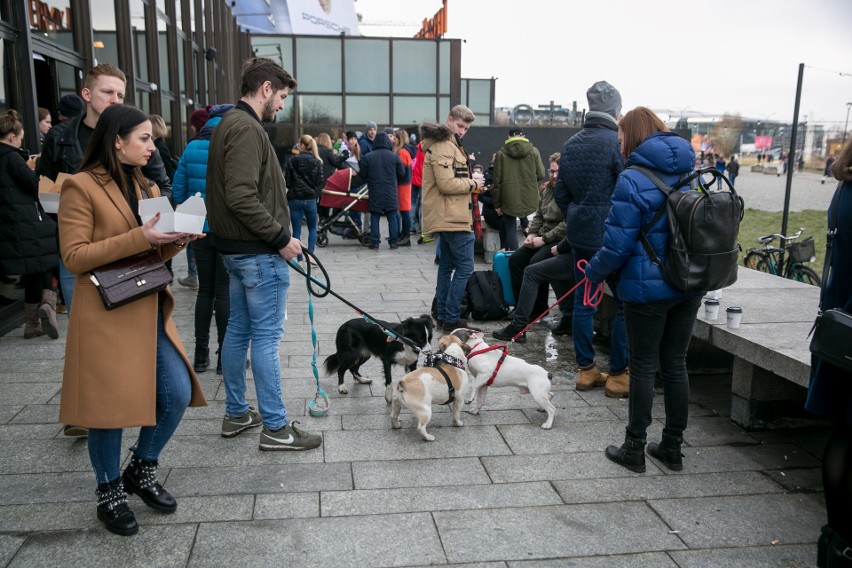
756	168
771	360
770	170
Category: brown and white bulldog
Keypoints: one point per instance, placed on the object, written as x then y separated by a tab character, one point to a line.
420	388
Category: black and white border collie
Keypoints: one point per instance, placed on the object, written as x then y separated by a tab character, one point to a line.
357	340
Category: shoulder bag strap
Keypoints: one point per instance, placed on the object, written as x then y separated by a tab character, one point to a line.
832	232
666	189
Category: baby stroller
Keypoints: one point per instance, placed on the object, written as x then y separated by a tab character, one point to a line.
338	195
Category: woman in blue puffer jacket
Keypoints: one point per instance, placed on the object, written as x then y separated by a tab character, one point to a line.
659	318
213	288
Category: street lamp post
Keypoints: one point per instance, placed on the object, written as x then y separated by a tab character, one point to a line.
848	105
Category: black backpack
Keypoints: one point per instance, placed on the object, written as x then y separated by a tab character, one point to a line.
485	296
704	224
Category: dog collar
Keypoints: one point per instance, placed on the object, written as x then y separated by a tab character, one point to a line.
434	359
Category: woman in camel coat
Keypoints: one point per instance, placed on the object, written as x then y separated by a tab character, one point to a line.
125	367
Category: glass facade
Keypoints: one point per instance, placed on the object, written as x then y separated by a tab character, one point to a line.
159	44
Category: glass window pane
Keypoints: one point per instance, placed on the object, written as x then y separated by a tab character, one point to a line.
413	110
360	109
103	34
414	66
367	66
321	109
444	67
483	119
52	20
285	114
178	21
443	108
66	77
279	50
141	55
181	53
143	101
479	95
318	65
5	79
164	56
463	97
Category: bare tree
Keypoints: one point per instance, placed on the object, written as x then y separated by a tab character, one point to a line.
725	135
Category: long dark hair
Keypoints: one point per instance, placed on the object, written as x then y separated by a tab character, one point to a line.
842	167
115	121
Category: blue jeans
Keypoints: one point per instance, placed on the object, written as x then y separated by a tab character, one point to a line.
404	220
191	266
659	337
375	227
416	199
258	289
308	209
454	269
583	325
174	390
67	283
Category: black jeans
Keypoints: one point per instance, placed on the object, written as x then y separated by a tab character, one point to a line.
213	290
34	284
658	334
518	262
558	272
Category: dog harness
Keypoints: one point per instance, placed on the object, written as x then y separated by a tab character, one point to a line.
505	349
434	360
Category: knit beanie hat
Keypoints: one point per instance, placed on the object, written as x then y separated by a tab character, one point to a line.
603	97
71	105
371	124
200	117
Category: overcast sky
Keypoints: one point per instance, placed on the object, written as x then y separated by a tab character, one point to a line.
737	56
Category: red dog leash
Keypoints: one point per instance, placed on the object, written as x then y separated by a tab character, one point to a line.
592	296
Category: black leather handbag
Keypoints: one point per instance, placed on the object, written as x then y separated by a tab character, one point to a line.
832	331
131	278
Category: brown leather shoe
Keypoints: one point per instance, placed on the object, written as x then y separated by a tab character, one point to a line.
590	378
618	386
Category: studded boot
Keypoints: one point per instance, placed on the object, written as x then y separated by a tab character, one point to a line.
113	510
668	451
140	478
631	454
33	326
47	314
202	359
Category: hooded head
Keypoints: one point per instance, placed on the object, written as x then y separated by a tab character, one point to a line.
382	141
603	97
199	118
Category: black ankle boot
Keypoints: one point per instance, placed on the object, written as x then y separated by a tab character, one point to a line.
668	451
839	552
202	359
631	454
219	361
140	478
822	545
113	510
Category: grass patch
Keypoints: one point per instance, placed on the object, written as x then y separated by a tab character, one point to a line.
759	223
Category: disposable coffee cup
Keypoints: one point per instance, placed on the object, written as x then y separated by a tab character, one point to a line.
711	309
734	315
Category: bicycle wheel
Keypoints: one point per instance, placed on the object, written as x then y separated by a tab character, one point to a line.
764	264
802	273
752	258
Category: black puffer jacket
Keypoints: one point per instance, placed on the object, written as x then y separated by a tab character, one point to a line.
304	177
331	162
382	171
27	234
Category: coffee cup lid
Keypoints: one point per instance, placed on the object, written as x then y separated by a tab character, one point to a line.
735	310
711	302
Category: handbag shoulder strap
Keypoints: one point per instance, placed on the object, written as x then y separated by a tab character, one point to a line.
832	232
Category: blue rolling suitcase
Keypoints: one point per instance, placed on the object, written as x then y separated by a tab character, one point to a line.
501	267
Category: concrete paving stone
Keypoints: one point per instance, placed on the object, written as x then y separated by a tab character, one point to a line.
715	431
372	445
446	498
215	451
740	458
291	388
532	533
440	419
206	509
571	414
811	440
360	405
404	540
157	546
28	350
745	520
569	437
748	557
448	472
34	364
287	506
9	411
641	488
29	431
641	560
596	397
29	393
511	398
658	411
281	478
43	456
25	377
9	545
808	480
216	409
580	465
25	488
779	456
213	426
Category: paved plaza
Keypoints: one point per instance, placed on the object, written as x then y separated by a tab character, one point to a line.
499	491
765	192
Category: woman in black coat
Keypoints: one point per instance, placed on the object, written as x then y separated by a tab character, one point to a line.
303	175
830	389
27	234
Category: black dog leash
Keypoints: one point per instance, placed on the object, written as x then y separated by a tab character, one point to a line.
325	290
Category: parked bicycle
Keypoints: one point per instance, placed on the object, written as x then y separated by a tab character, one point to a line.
772	259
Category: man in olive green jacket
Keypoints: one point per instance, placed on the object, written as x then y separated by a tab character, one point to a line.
517	172
250	220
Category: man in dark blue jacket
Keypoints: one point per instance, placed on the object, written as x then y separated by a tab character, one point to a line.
382	171
588	168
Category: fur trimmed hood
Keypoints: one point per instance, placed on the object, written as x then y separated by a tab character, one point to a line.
431	132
